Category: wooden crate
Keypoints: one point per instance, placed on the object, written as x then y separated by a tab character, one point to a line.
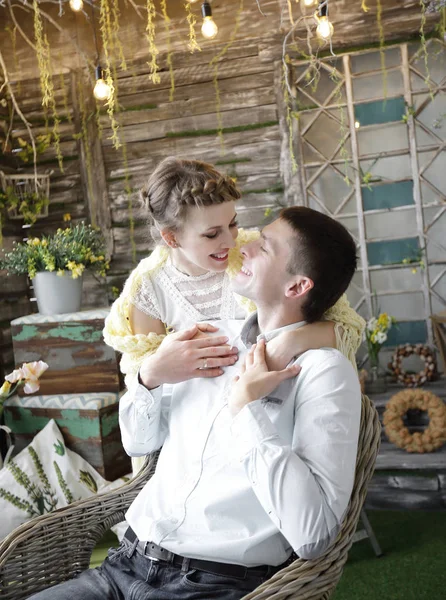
73	347
88	422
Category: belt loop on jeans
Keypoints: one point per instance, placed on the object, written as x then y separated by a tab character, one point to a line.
185	566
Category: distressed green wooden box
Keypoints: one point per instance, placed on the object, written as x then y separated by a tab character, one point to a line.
72	344
89	424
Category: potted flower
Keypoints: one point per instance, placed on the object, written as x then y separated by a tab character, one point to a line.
55	264
375	335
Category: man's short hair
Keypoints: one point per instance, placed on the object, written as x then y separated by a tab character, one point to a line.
324	251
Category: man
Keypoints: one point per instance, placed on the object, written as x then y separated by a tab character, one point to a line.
254	467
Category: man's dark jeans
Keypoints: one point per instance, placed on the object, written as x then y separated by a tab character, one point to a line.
127	575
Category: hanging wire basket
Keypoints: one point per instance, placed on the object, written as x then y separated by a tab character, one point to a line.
27	196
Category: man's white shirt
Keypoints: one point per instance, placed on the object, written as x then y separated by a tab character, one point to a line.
251	489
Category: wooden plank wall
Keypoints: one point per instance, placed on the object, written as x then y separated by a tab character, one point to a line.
154	128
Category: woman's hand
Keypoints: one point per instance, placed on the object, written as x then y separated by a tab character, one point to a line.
181	357
282	349
256	380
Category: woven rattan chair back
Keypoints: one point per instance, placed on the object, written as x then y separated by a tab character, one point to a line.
317	579
55	547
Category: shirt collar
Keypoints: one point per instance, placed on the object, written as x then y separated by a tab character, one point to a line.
250	332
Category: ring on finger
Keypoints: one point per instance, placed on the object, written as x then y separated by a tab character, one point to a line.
205	364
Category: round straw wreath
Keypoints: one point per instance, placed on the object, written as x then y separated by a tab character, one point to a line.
432	438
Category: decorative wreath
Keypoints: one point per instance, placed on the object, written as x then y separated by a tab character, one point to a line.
413	379
432	438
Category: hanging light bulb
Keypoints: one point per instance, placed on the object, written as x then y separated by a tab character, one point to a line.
209	28
308	3
192	1
324	29
101	90
76	5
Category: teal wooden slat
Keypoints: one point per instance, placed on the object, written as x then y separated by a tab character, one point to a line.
407	332
387	195
392	251
380	111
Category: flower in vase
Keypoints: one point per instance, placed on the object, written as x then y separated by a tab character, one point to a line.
376	334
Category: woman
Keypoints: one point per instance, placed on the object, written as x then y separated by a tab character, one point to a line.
186	279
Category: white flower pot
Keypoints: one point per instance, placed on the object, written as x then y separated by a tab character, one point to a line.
57	294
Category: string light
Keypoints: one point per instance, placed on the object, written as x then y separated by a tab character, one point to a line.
357	124
192	1
324	29
308	3
76	5
209	28
101	90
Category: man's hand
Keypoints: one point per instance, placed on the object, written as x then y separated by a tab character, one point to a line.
181	357
255	380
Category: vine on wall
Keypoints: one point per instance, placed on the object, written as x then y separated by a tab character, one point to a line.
108	32
150	35
191	21
46	79
214	64
169	48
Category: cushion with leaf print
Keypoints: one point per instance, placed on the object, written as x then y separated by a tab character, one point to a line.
42	477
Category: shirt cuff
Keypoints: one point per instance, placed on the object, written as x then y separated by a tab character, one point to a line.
143	399
251	427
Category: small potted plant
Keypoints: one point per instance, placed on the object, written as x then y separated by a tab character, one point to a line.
55	264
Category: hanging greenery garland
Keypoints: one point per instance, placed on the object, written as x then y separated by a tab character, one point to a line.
364	6
214	64
382	52
128	190
169	48
424	50
289	119
191	21
116	42
13	35
88	157
105	22
150	35
63	87
46	79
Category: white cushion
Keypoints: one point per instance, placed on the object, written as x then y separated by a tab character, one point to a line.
42	477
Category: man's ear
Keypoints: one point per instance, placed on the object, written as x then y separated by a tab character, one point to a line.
299	287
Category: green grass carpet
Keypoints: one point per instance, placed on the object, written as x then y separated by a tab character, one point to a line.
413	566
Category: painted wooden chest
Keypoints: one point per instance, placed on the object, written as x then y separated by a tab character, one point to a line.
89	424
72	344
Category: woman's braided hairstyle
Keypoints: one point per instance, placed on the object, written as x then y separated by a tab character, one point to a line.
178	184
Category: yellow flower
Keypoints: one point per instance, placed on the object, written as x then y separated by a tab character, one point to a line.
67	217
60	272
44	243
76	270
5	389
414	270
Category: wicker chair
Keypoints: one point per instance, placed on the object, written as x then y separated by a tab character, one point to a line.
55	547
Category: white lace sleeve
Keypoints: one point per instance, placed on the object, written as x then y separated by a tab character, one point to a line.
145	299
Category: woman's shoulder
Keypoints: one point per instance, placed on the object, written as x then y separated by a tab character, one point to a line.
148	267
